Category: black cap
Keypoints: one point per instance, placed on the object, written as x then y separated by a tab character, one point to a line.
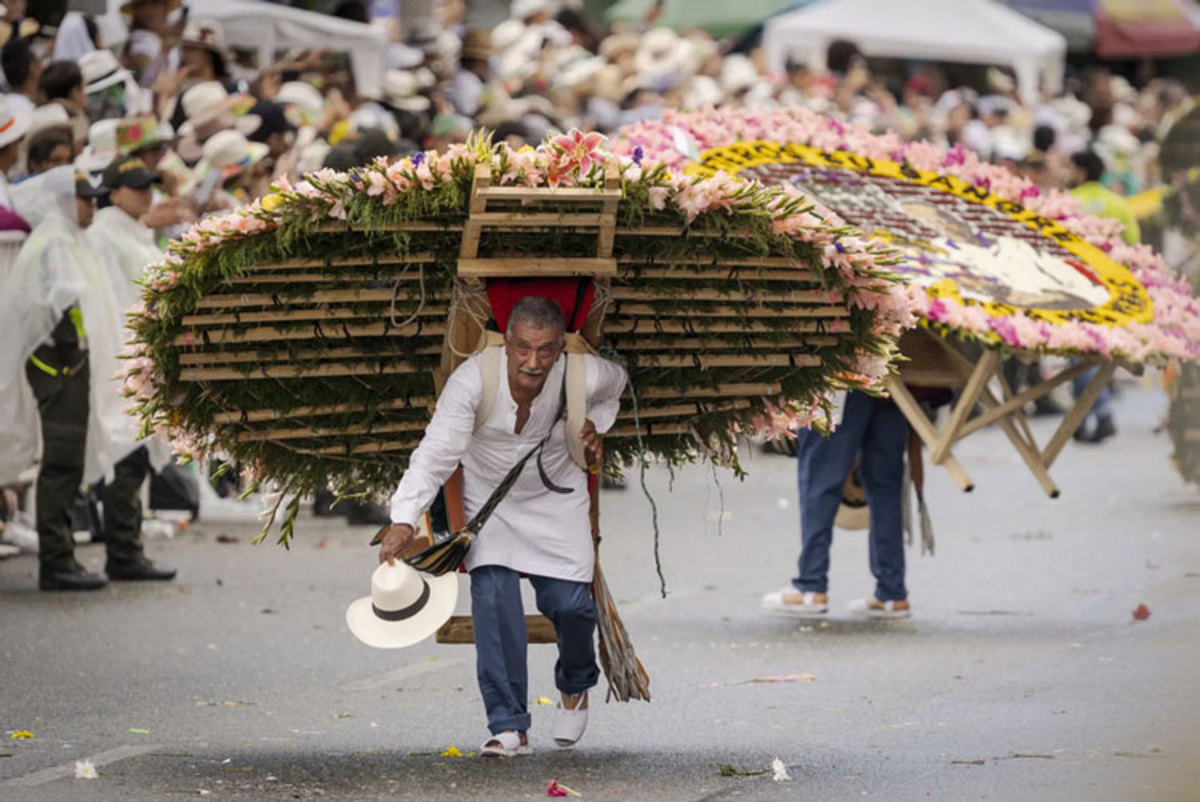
127	171
88	186
272	120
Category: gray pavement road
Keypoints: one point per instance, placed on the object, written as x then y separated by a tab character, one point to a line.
1022	675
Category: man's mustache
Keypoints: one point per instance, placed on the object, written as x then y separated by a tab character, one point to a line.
531	372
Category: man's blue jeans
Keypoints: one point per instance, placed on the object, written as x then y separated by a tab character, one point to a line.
1103	406
500	640
878	433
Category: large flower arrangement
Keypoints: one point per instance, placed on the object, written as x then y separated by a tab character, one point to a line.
678	139
404	212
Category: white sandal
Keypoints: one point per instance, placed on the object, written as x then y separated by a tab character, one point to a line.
570	724
505	744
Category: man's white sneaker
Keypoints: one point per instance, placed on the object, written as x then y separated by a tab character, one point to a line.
874	608
794	602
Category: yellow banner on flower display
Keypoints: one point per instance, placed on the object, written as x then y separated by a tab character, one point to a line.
955	239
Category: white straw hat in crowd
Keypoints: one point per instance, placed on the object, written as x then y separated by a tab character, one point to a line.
302	94
405	606
101	147
524	9
401	90
702	91
663	60
738	75
230	152
204	102
14	123
48	116
101	70
206	34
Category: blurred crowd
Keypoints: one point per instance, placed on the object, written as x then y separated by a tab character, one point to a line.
215	129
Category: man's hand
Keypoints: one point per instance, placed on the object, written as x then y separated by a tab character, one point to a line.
591	443
395	542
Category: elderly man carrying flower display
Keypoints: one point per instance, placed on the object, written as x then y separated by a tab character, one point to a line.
540	529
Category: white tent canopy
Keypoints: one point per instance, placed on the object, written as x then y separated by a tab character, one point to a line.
964	31
267	27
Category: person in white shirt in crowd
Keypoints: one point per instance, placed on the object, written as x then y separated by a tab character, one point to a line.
540	529
63	321
118	228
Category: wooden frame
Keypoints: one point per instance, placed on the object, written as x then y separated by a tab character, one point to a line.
938	362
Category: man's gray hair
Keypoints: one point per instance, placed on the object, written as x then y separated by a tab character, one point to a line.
537	313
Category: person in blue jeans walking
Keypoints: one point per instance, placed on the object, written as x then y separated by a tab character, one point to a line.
874	430
1101	411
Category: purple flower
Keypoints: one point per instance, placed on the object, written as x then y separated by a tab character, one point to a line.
418	158
638	153
840	248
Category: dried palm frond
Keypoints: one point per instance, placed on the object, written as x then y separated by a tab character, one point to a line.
443	556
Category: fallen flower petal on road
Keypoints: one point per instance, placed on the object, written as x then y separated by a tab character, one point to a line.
21	735
781	772
543	700
452	751
85	770
777	678
555	788
1141	612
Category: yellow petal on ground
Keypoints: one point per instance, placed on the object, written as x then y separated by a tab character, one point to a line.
22	734
543	700
452	751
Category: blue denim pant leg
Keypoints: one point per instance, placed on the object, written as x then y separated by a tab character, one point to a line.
1103	406
570	607
822	464
500	646
882	469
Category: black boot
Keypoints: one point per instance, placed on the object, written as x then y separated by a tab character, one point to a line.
1105	428
137	569
71	577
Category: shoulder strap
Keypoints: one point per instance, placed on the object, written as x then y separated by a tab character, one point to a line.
489	369
576	390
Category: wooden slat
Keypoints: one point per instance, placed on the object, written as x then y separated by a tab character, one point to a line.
279	299
539	219
643	343
334	263
384	447
292	372
309	432
460	630
316	278
276	357
661	292
616	325
764	390
649	430
536	266
336	331
299	413
697	408
714	274
560	194
621	308
718	263
1191	436
706	361
337	313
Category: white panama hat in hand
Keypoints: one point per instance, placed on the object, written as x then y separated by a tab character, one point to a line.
405	606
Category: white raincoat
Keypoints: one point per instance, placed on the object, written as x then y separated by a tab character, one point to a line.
131	246
58	266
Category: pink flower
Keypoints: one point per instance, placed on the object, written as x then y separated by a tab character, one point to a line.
579	149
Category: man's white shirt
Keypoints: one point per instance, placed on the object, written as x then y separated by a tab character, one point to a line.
533	530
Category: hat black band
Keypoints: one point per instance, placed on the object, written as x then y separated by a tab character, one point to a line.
405	612
103	77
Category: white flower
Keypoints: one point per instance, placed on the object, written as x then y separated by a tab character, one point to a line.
781	772
84	770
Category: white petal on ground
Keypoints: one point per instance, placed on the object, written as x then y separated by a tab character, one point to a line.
84	770
781	772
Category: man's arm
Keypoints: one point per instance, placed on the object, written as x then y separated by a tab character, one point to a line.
605	383
439	453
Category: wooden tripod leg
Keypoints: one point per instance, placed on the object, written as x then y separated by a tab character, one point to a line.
1075	416
925	430
984	369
